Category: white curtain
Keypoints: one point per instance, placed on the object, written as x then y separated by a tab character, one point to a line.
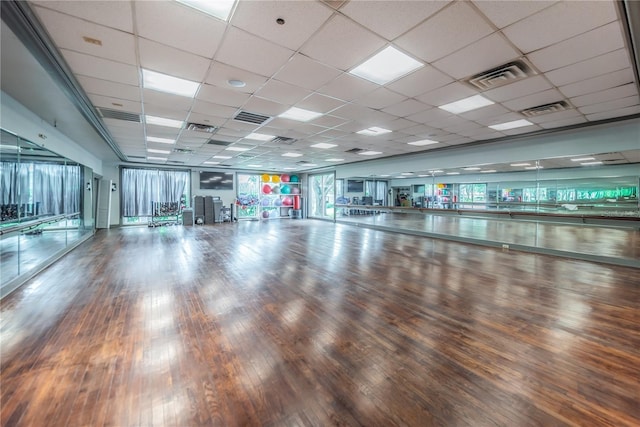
141	187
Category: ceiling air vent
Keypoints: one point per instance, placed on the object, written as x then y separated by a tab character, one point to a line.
183	150
107	113
136	157
283	140
554	107
176	162
217	142
354	150
247	117
502	75
201	128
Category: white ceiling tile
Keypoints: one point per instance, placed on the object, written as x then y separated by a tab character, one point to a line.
302	19
68	34
220	74
482	55
329	121
342	44
486	112
406	108
249	52
263	106
534	100
603	64
375	15
348	87
284	93
174	62
166	112
108	13
560	22
179	26
595	84
212	109
320	103
605	95
420	81
306	73
432	115
380	98
106	88
452	28
509	117
164	131
399	125
444	95
615	104
518	89
503	13
519	131
563	123
221	96
596	42
101	68
116	104
481	136
119	127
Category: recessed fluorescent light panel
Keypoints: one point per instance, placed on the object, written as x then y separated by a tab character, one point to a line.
334	160
453	173
299	114
373	131
160	140
511	125
583	159
221	157
591	163
157	158
488	171
220	9
260	137
211	163
534	167
462	106
472	168
161	121
423	142
292	155
153	150
386	66
169	84
369	153
254	166
324	145
520	164
237	148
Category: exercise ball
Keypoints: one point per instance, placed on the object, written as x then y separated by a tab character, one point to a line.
285	189
266	189
275	189
278	202
295	190
284	177
265	214
294	178
275	178
274	213
287	201
266	177
265	202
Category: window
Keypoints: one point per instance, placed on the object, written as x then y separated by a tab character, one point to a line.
141	187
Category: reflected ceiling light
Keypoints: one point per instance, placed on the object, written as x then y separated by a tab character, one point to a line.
220	9
373	131
221	157
259	137
436	171
309	165
467	104
489	171
384	176
157	158
583	159
291	155
369	153
169	84
153	150
324	145
422	176
238	148
211	163
290	169
334	160
453	173
387	65
161	121
534	167
406	173
423	142
520	164
472	168
511	125
299	114
160	140
590	163
254	166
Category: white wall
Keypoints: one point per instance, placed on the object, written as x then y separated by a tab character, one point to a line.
111	172
17	119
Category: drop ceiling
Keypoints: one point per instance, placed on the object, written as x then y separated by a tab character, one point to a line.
578	69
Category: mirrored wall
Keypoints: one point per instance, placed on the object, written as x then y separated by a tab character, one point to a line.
45	207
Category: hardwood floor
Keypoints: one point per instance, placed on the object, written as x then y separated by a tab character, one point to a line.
308	323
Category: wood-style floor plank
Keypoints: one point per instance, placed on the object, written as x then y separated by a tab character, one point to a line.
308	323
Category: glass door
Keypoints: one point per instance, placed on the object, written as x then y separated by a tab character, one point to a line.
322	195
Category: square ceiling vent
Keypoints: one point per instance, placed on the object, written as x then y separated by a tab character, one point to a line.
254	118
553	107
198	127
108	113
502	75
